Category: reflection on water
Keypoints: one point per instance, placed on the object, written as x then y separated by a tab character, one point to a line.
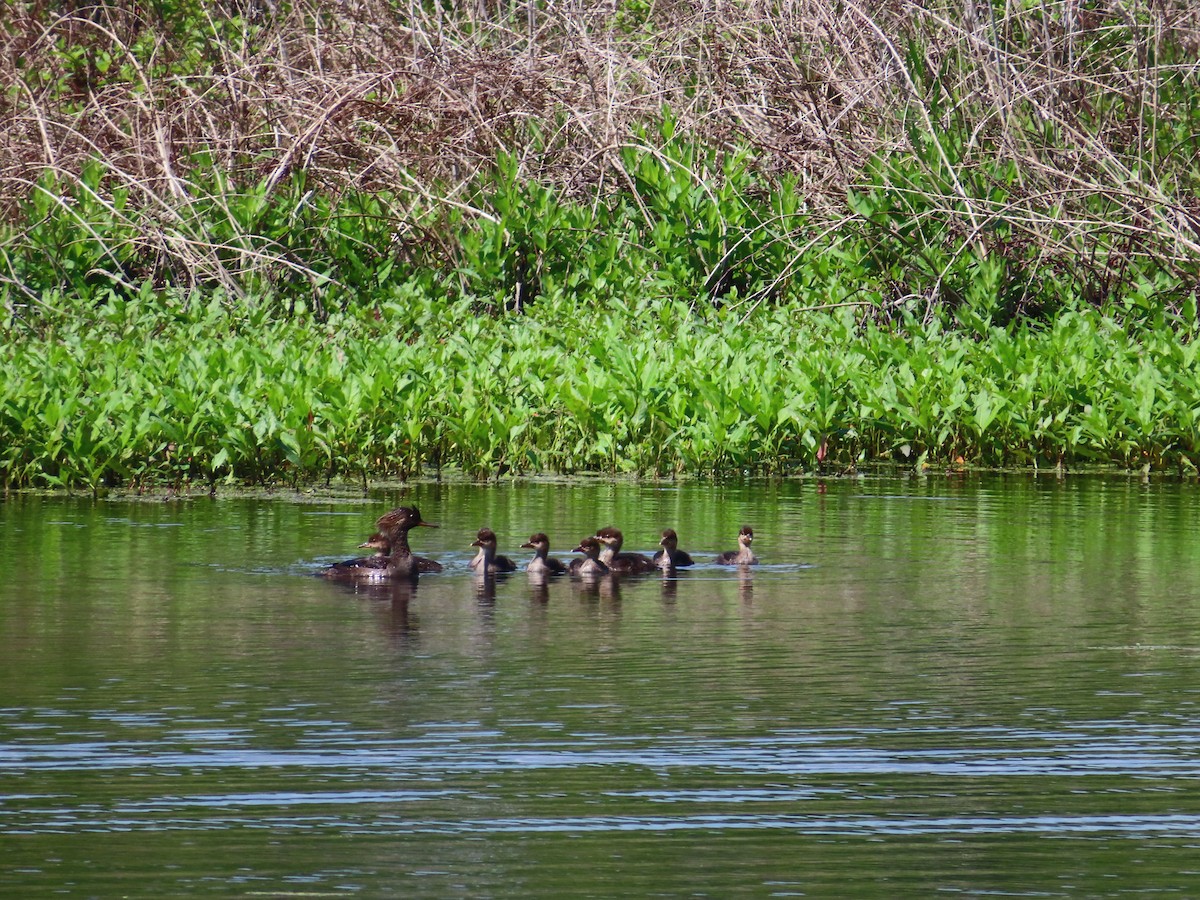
943	686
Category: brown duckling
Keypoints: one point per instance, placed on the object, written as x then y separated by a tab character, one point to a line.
542	563
486	561
621	563
377	542
590	565
670	556
743	556
373	567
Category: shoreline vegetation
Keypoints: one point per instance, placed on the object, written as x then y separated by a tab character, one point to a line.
283	242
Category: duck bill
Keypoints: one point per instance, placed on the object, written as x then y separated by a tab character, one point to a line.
427	525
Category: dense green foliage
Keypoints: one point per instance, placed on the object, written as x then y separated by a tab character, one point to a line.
1002	156
139	395
315	239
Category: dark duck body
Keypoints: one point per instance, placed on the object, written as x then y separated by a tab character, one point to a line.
621	563
590	565
393	557
384	548
542	563
670	556
743	555
487	561
363	566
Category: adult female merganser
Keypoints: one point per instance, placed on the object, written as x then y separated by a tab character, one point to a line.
670	556
394	526
590	566
743	556
542	563
621	563
486	562
392	540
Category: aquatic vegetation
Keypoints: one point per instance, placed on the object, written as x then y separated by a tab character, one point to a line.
199	395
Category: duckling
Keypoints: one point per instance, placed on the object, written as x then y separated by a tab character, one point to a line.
542	563
486	561
670	556
377	542
590	565
743	556
371	567
621	563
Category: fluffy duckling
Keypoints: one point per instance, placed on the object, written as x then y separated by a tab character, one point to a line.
743	555
590	565
542	563
621	563
487	561
670	556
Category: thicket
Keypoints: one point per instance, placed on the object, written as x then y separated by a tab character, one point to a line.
1009	154
196	194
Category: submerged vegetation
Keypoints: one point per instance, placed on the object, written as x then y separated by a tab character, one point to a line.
305	239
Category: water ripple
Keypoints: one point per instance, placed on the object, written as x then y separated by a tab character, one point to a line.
1169	752
1116	824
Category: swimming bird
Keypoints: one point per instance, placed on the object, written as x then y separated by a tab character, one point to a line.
383	548
395	525
392	540
542	563
621	563
377	542
670	556
486	561
370	567
743	556
590	565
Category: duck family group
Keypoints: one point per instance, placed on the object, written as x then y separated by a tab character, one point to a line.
601	553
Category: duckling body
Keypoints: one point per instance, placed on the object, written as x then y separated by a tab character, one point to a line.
670	556
363	566
621	563
743	556
590	566
542	563
486	561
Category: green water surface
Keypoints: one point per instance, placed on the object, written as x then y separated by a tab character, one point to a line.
930	686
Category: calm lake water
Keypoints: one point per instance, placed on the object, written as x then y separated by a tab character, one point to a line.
943	686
